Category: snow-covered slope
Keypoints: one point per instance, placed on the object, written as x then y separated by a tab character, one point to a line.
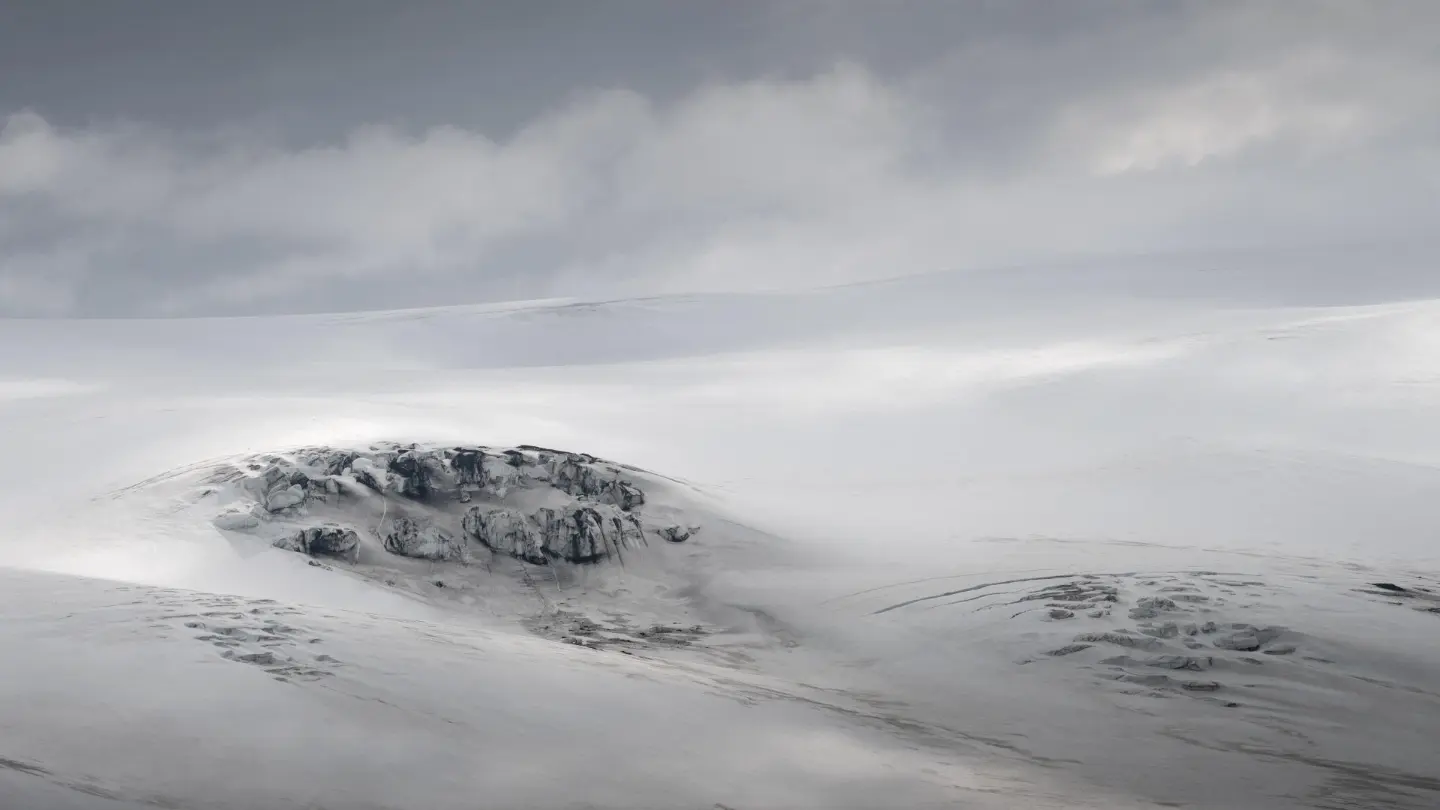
961	542
132	696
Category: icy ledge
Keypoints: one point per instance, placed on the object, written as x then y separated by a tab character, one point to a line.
441	503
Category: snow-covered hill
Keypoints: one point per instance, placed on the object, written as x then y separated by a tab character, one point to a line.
961	542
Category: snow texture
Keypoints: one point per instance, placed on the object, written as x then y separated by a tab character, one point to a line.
1039	539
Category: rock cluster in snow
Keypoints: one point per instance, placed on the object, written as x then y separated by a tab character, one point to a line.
441	500
679	534
328	540
1161	647
422	539
573	533
1159	635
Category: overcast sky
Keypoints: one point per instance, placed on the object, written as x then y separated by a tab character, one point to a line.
197	157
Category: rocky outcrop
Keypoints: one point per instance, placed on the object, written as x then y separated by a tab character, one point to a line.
419	472
413	537
577	534
469	466
326	540
591	507
577	475
373	475
506	531
585	534
678	534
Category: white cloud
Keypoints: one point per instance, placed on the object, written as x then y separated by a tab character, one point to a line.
118	174
772	144
1311	103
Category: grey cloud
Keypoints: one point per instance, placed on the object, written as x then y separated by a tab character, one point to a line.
860	145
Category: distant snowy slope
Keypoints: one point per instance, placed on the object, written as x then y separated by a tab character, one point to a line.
998	307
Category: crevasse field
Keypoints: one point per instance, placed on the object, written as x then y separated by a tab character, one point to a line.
1131	534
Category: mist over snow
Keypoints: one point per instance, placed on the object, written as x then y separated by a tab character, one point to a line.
770	407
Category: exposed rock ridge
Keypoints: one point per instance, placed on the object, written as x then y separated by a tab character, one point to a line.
591	514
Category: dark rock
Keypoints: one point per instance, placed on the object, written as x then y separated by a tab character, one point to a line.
678	534
1190	662
332	540
577	534
1200	686
598	524
1119	639
329	460
410	537
469	466
576	475
623	494
328	540
272	476
1389	586
417	471
1151	606
369	473
583	534
1241	641
506	531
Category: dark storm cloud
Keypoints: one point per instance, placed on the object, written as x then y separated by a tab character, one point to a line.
176	158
